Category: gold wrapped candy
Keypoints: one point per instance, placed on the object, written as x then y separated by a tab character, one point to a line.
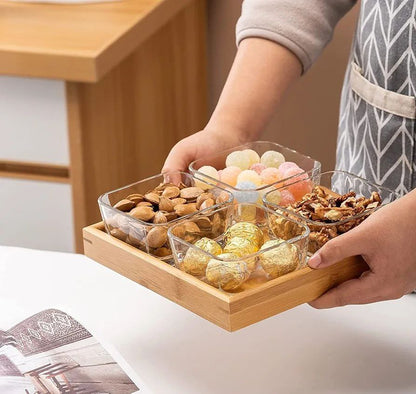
227	275
195	261
242	247
245	230
281	260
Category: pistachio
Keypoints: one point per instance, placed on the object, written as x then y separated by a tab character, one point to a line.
222	198
136	198
191	227
207	203
202	198
204	223
162	252
152	197
145	204
117	233
185	209
217	225
159	218
171	192
165	204
179	200
143	213
178	231
191	193
157	237
170	215
125	205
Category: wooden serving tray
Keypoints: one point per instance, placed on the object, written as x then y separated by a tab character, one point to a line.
230	311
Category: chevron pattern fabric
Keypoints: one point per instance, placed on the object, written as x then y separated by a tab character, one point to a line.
374	143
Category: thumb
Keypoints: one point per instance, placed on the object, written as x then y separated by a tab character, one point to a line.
337	249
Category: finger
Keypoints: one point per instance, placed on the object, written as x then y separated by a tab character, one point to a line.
337	249
363	290
179	158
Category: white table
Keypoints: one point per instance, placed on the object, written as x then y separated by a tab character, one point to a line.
356	349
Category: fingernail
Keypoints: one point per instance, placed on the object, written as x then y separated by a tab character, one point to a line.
315	260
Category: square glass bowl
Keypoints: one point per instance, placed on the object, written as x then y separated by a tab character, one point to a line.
247	267
325	225
149	237
311	167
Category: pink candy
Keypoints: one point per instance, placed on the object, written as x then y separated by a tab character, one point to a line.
298	185
287	165
287	198
258	167
270	175
229	175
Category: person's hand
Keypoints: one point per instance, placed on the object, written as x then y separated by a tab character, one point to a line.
197	146
387	242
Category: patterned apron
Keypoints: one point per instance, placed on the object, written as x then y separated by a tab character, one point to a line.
376	138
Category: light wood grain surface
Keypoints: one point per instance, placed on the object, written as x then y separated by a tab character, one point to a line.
227	310
122	127
76	42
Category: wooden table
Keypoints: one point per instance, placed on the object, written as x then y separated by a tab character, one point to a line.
112	87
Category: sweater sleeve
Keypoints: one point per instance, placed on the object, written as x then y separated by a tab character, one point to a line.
303	26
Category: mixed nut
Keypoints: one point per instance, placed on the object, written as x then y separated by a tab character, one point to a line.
165	203
333	214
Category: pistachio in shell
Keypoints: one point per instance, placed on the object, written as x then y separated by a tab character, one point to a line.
191	193
143	213
136	198
171	192
157	237
165	204
152	198
185	209
125	205
159	218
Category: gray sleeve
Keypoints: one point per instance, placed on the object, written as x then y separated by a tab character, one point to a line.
303	26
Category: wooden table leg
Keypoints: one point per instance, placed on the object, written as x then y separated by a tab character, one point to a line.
122	127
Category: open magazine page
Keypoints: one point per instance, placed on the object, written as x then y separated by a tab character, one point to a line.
44	349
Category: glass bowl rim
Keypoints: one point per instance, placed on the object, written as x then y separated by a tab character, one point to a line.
203	178
175	221
324	224
305	235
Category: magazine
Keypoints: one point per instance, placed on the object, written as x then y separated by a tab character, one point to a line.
51	352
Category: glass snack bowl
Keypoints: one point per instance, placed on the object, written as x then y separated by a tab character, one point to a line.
244	252
310	166
340	202
147	236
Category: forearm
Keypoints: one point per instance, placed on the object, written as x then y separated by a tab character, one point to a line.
261	74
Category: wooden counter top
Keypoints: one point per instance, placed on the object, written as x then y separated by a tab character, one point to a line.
76	42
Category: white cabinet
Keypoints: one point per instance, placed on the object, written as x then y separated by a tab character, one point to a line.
36	215
33	120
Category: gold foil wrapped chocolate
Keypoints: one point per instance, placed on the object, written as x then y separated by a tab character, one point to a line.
245	230
195	260
227	275
242	247
280	260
